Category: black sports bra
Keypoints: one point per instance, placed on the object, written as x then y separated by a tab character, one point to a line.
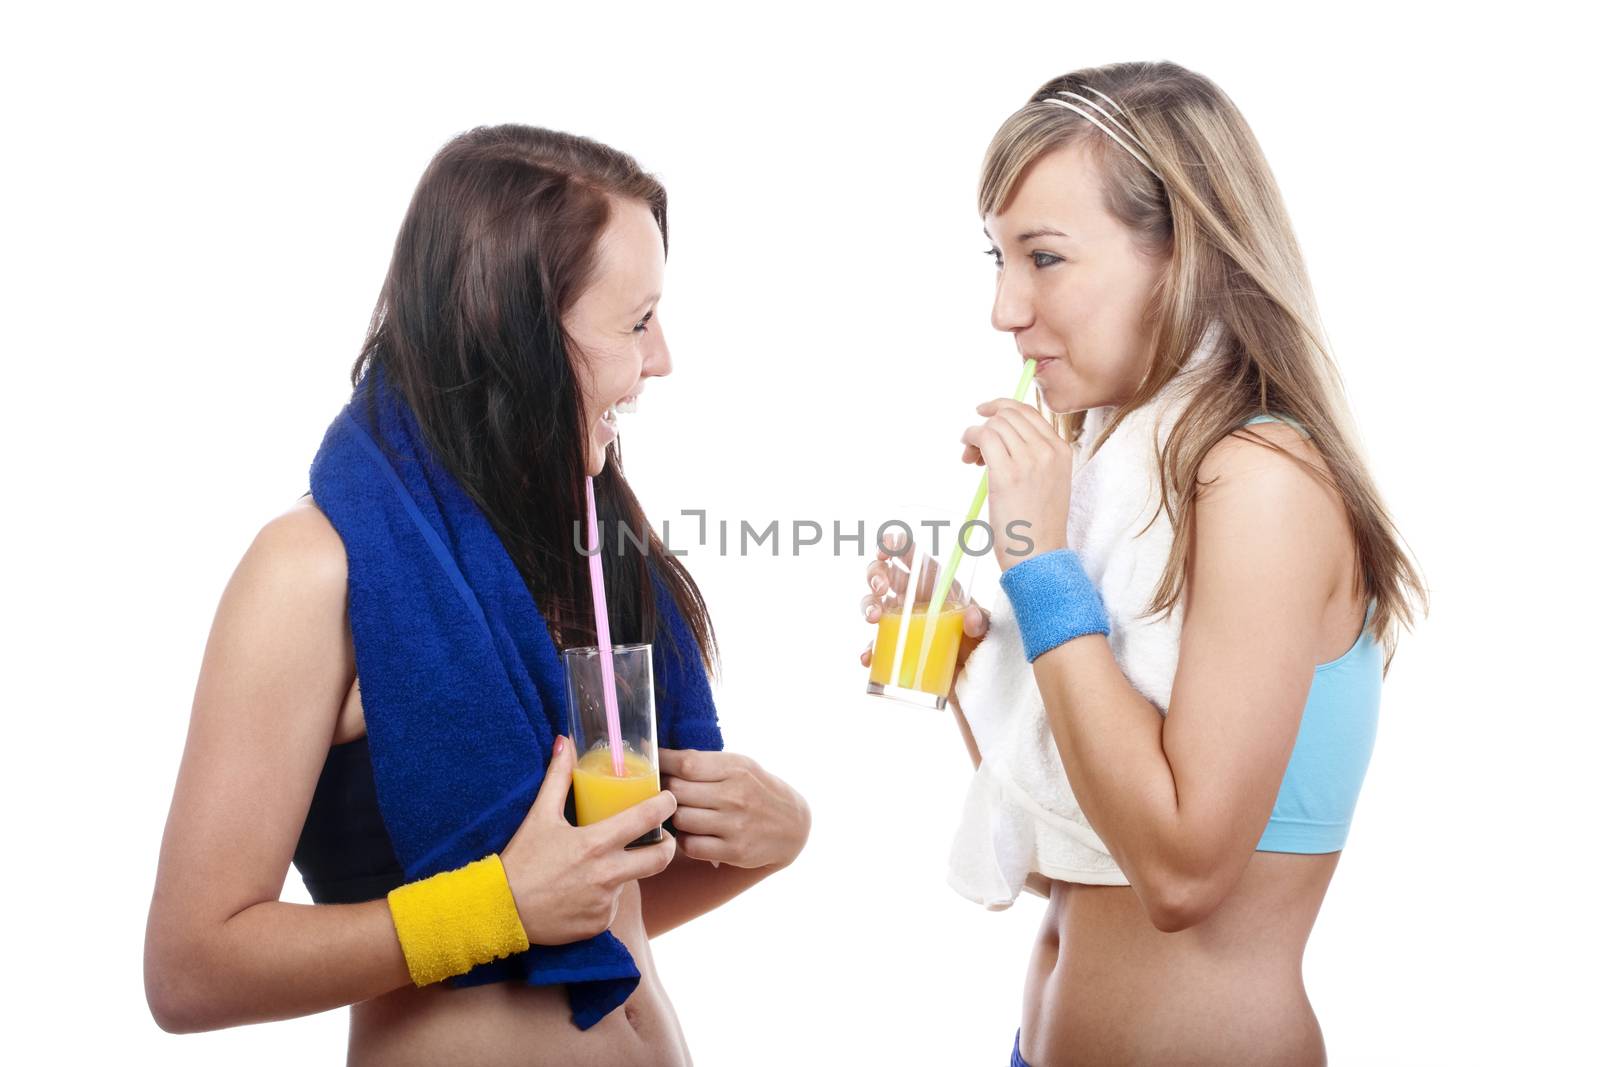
344	854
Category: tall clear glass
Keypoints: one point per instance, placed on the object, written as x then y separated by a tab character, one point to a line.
597	791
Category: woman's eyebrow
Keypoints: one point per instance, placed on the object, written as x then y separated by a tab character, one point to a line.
646	302
1041	231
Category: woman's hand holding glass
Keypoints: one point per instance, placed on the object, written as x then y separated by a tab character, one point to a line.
568	880
888	577
731	810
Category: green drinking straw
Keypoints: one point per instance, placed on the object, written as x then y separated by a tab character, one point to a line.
941	588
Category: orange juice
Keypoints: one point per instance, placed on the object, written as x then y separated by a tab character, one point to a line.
599	794
940	669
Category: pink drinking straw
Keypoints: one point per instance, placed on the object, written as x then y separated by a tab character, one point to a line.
602	625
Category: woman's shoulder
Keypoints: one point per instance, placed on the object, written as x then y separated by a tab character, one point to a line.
1270	453
1272	480
300	550
281	632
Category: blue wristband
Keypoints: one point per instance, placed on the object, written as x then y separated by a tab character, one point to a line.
1054	601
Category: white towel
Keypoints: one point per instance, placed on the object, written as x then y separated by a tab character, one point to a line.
1020	815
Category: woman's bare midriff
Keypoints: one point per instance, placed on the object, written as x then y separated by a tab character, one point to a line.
1106	987
505	1023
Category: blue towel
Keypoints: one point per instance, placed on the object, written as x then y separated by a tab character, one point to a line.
462	687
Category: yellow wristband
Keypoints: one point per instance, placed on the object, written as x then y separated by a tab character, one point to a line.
453	921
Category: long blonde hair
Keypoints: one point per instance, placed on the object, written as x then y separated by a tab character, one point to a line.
1216	212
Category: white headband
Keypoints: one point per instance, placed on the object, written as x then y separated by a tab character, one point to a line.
1136	153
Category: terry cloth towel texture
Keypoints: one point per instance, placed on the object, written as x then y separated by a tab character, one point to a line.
1020	816
462	686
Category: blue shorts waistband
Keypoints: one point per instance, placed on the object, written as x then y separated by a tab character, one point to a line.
1016	1051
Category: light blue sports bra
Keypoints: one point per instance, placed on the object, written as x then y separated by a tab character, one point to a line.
1337	729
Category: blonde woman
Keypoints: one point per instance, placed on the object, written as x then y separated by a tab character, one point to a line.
1173	705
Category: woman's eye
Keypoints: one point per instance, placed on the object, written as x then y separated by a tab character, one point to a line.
1044	259
639	327
994	253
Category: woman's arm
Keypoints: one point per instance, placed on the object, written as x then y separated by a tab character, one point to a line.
974	627
731	812
689	888
1181	801
220	948
966	730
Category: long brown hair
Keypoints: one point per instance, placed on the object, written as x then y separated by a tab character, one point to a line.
1214	211
498	243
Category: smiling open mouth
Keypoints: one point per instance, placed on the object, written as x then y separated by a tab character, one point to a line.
626	406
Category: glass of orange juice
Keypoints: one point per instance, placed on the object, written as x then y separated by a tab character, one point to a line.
915	645
597	790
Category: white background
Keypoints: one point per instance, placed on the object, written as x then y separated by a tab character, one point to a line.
199	207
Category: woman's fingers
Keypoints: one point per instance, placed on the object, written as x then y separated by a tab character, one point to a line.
889	576
709	849
884	579
702	795
891	544
698	765
701	821
619	829
1014	443
986	442
878	576
871	607
1027	421
975	621
646	862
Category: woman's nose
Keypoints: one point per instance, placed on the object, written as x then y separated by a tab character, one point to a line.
1013	303
657	358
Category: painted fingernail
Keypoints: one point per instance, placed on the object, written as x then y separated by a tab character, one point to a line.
560	743
877	585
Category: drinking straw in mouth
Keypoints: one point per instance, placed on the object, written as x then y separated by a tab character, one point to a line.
947	573
602	626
